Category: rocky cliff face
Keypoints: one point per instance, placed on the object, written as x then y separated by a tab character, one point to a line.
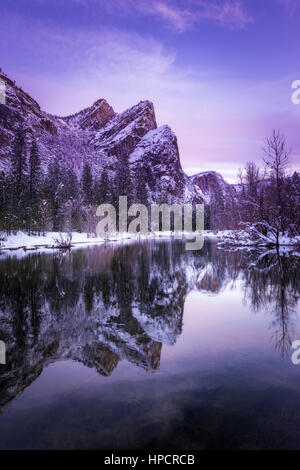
92	118
220	198
210	183
124	132
101	137
158	153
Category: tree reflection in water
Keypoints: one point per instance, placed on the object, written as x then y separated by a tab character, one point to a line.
101	305
273	284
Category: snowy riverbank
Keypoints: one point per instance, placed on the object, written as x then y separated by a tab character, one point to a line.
54	240
243	238
49	240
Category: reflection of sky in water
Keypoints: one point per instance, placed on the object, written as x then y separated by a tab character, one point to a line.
223	384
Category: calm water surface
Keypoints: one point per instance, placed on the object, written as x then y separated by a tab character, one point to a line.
150	346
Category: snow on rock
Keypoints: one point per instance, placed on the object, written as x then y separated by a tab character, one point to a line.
67	139
92	118
125	130
158	153
101	137
211	182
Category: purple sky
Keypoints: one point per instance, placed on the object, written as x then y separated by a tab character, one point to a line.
218	71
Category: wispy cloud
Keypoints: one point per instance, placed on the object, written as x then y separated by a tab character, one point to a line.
123	67
231	14
180	19
180	15
220	119
189	14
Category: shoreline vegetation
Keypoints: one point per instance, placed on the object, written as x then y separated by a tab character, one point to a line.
65	241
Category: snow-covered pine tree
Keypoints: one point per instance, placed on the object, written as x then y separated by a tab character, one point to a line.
87	184
3	200
52	182
141	189
18	175
123	179
34	199
101	190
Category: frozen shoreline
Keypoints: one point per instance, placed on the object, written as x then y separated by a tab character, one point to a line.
50	240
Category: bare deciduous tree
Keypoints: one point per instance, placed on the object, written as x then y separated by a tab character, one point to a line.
276	157
276	154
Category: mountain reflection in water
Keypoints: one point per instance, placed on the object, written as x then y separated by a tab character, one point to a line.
101	305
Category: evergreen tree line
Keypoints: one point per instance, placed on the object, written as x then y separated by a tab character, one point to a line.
30	200
58	200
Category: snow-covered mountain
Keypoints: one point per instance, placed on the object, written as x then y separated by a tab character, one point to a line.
210	183
158	153
99	136
220	198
